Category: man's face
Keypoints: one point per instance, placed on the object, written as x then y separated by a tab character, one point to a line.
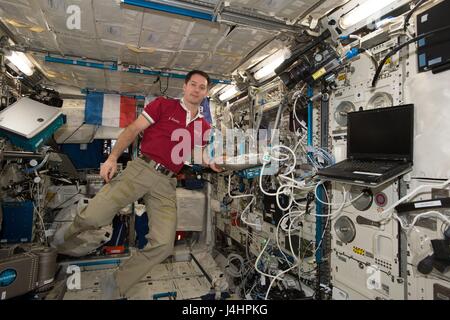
196	89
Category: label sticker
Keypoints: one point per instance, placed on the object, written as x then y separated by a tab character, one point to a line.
435	61
424	18
422	60
319	73
421	42
428	204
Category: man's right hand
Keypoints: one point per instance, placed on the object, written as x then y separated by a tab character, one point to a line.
108	169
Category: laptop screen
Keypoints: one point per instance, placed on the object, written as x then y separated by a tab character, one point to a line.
384	133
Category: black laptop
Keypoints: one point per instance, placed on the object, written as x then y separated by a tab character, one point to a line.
379	147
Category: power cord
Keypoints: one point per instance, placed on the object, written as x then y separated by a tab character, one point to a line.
401	46
411	12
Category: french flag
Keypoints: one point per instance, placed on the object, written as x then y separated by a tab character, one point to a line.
110	110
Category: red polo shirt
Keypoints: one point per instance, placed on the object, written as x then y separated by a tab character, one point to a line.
172	132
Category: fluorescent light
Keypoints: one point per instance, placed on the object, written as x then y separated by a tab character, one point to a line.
272	63
384	22
20	60
268	68
228	93
363	11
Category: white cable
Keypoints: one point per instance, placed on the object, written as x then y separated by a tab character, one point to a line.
295	114
231	257
274	278
341	205
259	257
289	236
260	182
297	95
344	192
289	179
293	155
287	270
419	216
290	244
354	36
292	214
284	175
300	205
317	246
298	184
277	198
238	196
245	210
323	234
247	207
286	157
277	237
409	195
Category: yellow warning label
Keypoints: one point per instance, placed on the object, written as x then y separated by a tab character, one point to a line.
359	251
319	73
388	61
342	77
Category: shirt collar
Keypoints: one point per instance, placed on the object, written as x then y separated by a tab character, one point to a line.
183	105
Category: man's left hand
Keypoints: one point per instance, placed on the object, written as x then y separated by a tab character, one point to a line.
214	166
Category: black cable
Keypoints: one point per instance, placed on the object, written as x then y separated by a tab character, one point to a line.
411	12
79	192
95	132
375	62
72	133
160	86
401	46
167	85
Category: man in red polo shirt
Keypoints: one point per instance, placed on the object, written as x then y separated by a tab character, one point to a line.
151	177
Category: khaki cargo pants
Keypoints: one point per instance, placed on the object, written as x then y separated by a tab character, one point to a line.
138	180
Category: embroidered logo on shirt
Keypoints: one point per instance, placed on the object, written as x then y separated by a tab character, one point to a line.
174	120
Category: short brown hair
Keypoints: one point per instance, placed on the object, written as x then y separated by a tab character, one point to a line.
202	73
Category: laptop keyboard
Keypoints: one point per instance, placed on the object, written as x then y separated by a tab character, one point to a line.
365	166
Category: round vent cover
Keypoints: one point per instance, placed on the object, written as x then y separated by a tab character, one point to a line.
363	202
380	100
345	229
340	115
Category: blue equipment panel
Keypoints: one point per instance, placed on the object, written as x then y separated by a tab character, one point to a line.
17	225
